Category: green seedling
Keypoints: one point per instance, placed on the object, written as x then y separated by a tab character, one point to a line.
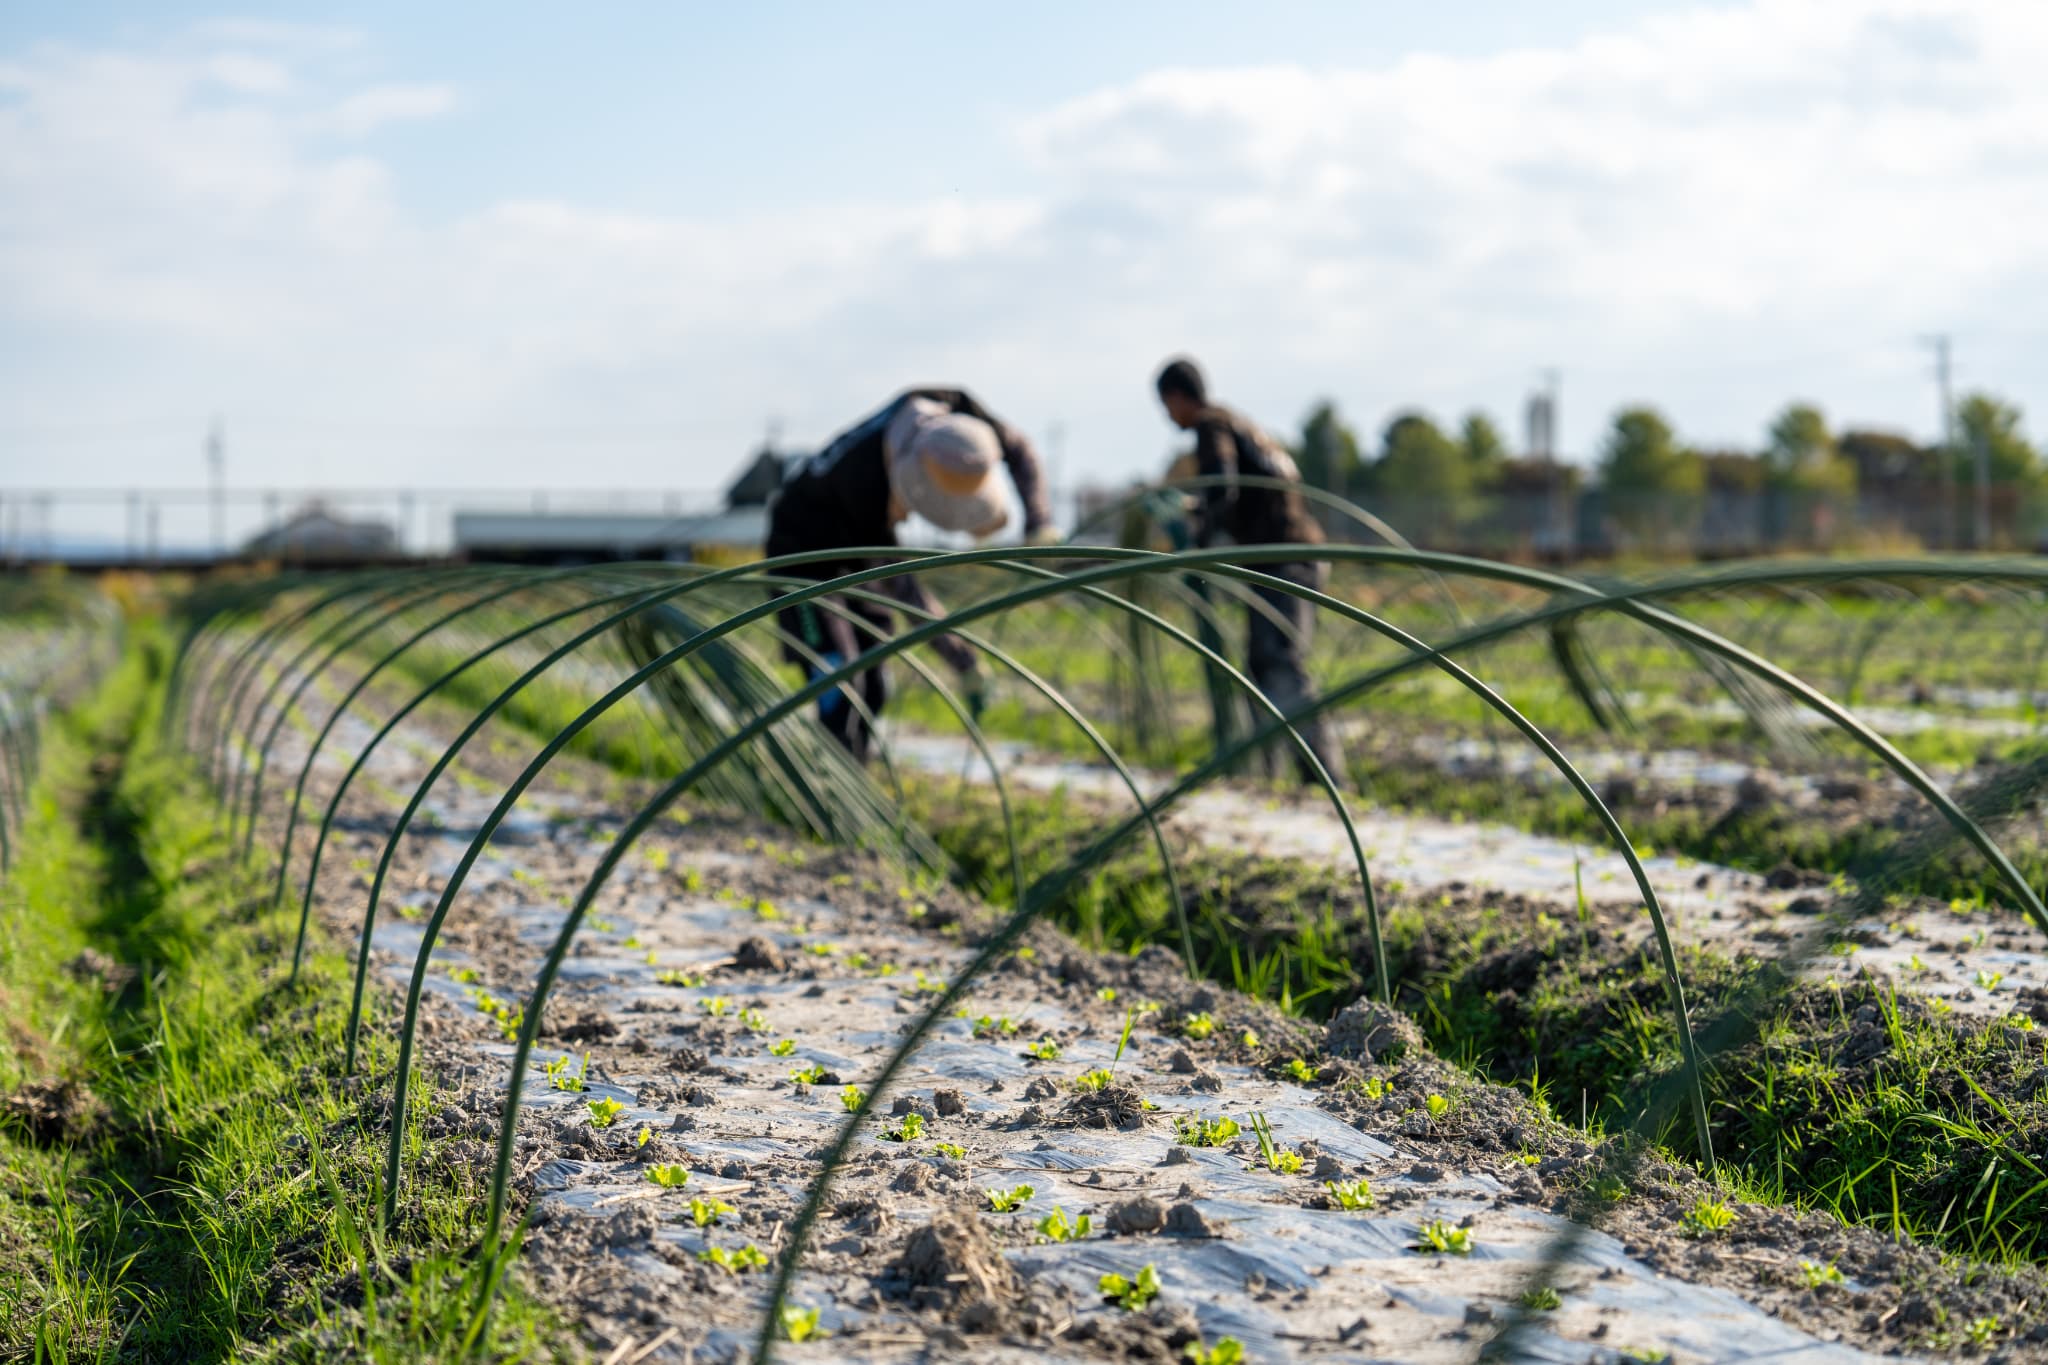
604	1112
818	949
1350	1195
1818	1276
950	1149
1226	1351
1201	1132
632	941
1301	1071
800	1324
850	1098
755	1021
644	1136
989	1026
858	960
1094	1081
603	926
1044	1050
1197	1026
1107	995
705	1213
766	909
811	1075
783	1048
1707	1217
1248	1039
668	1175
920	984
1543	1299
1438	1238
657	858
1277	1161
1437	1105
716	1006
675	976
909	1129
748	1257
1057	1227
1609	1188
1375	1088
1129	1294
1989	980
1982	1330
462	975
561	1078
1008	1201
1648	1355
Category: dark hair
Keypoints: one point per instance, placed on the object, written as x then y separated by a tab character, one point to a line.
1180	376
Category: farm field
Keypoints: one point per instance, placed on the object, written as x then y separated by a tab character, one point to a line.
1661	978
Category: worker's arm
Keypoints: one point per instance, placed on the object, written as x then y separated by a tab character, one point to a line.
1019	456
1215	457
909	589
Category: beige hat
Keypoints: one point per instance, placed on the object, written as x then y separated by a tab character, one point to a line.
942	464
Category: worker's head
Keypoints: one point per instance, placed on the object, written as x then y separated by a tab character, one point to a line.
1183	391
943	468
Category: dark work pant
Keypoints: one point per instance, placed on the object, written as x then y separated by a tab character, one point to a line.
835	639
1274	660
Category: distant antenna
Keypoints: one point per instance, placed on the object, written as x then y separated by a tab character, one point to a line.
216	462
1939	343
1540	419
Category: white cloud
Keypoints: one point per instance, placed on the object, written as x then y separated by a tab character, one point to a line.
1715	209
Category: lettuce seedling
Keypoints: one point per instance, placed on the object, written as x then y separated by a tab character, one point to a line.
604	1112
1301	1071
1437	1105
462	975
783	1048
1818	1276
755	1021
748	1257
1057	1227
1044	1050
809	1075
1094	1081
644	1136
705	1213
1201	1132
1249	1039
850	1098
1226	1351
1197	1026
1441	1239
716	1006
1350	1194
800	1324
950	1149
1129	1294
1008	1201
909	1129
1542	1299
988	1026
675	976
561	1078
669	1175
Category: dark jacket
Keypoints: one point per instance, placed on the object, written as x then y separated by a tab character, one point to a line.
1227	444
839	498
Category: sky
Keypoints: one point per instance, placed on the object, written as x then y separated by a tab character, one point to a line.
464	245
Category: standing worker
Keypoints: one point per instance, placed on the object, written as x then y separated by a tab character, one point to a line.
930	451
1228	446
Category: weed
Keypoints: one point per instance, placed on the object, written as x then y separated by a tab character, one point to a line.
1818	1276
1277	1161
1057	1227
1982	1330
1707	1217
669	1175
1441	1239
604	1112
1008	1201
1350	1195
1131	1294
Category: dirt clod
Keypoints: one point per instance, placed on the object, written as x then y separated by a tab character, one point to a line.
759	955
1370	1031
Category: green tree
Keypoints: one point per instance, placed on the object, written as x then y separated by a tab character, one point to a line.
1994	424
1328	454
1485	452
1653	484
1642	456
1418	460
1801	454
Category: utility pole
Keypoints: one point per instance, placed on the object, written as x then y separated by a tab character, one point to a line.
1948	440
216	452
1055	467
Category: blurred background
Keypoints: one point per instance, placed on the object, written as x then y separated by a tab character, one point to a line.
1566	281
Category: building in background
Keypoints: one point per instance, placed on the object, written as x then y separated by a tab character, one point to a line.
316	535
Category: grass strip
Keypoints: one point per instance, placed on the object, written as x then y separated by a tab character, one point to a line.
186	1175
